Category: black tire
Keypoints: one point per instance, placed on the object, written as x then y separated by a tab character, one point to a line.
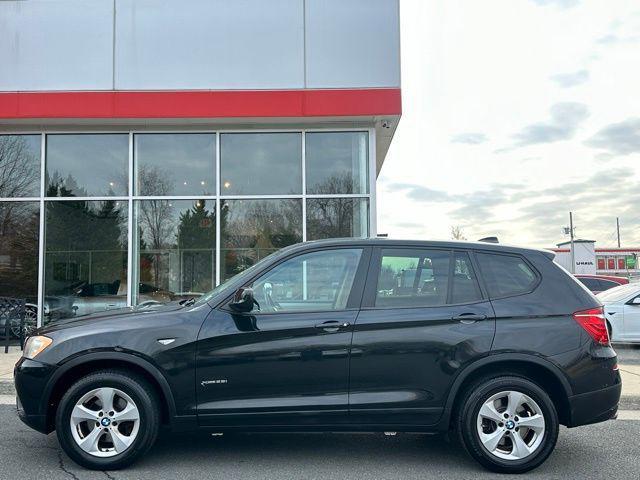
144	398
467	418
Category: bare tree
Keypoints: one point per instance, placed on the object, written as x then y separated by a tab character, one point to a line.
155	215
457	233
19	167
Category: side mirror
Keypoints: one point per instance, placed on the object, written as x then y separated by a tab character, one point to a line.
243	300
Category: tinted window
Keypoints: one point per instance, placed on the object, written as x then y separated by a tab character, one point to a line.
175	164
506	274
317	281
87	165
607	284
413	278
260	163
464	287
19	166
591	283
336	162
337	218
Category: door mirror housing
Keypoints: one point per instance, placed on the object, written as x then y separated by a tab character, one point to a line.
243	300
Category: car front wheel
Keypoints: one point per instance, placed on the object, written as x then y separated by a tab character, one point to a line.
107	420
508	424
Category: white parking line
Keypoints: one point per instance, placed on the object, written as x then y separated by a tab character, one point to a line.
629	415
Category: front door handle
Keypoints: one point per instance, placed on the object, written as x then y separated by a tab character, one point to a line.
469	317
332	326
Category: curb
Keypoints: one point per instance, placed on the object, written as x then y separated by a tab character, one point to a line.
7	387
627	402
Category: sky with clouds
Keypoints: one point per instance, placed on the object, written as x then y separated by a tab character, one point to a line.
516	112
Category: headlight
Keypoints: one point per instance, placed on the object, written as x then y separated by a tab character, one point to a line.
34	345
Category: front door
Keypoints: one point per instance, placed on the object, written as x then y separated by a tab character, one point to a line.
424	317
287	361
631	321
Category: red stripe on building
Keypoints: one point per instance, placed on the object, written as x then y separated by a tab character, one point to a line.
201	104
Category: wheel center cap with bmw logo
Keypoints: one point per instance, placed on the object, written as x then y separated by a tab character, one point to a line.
105	422
510	424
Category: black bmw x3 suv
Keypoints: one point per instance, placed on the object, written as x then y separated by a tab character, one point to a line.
495	344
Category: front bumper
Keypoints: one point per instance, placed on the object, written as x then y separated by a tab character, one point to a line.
31	378
594	407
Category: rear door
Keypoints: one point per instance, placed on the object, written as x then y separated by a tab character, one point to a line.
424	318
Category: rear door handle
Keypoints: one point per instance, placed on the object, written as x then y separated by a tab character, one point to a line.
332	325
469	317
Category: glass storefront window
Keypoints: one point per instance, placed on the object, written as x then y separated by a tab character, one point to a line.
337	218
174	240
176	249
336	162
19	232
87	165
85	257
175	164
19	166
260	163
252	229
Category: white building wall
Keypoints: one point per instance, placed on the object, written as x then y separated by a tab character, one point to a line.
198	44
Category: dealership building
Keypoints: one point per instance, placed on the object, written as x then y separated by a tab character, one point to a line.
591	260
151	149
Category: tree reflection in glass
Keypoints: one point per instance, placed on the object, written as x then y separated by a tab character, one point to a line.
252	229
176	249
337	218
19	166
19	232
85	257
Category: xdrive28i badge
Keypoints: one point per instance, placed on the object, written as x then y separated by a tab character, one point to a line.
216	381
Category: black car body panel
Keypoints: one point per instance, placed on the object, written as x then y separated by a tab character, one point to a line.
371	368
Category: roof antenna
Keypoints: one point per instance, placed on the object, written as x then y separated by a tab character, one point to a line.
489	240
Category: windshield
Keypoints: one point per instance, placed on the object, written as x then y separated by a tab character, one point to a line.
618	293
237	278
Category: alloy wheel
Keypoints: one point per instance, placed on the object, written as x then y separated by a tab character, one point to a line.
105	422
511	425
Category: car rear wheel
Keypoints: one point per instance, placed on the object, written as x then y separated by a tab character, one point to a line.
107	420
508	424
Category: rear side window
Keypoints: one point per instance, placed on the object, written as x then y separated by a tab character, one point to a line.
425	278
464	287
506	275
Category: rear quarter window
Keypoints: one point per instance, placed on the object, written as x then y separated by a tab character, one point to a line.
506	275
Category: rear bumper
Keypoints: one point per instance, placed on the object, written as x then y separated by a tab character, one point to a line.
594	407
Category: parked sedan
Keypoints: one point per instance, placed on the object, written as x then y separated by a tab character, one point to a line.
622	311
601	283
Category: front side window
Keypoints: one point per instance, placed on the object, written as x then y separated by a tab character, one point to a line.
317	281
413	278
506	275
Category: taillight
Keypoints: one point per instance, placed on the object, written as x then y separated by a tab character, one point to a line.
594	324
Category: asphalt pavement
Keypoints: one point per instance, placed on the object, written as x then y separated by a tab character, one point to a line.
606	451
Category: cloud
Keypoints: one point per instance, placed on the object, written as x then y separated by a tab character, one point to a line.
557	3
566	117
567	80
469	138
595	200
608	39
621	138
